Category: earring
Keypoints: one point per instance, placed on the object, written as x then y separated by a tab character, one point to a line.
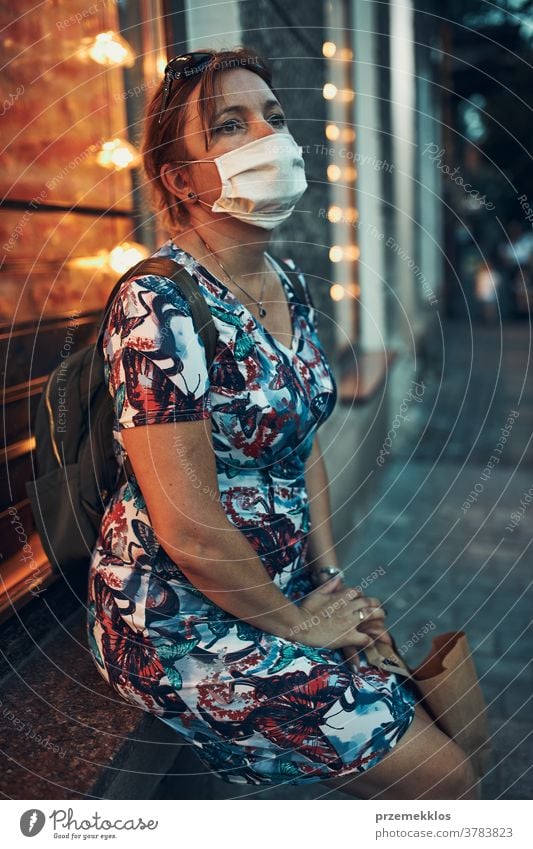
192	195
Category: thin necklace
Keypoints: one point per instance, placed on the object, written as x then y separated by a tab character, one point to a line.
262	310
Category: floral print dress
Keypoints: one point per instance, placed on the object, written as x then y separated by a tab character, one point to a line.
258	708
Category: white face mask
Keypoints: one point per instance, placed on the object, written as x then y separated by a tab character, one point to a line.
261	181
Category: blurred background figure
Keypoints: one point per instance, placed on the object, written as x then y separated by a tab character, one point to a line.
517	260
487	288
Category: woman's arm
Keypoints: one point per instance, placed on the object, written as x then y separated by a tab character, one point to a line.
176	471
160	384
321	550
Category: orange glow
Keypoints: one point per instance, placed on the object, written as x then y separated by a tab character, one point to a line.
337	292
335	253
334	214
333	172
352	253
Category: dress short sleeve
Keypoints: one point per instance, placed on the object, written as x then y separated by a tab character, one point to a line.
155	362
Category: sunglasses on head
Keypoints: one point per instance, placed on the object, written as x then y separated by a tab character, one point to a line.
188	64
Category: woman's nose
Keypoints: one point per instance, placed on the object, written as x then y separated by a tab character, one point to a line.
260	127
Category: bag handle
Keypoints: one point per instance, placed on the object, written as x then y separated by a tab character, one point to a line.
388	661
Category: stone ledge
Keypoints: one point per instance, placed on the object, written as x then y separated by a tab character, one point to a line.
63	732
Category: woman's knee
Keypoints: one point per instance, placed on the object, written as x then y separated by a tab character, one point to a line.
424	763
450	774
462	779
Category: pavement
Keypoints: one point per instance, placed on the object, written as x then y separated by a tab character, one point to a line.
445	565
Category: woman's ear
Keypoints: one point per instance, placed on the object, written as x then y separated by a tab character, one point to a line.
174	179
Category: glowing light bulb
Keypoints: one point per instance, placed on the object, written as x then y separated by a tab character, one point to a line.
337	292
329	49
329	91
117	154
336	253
351	214
334	214
109	48
333	172
332	132
126	255
352	253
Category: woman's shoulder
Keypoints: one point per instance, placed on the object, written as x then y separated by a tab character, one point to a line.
142	308
131	295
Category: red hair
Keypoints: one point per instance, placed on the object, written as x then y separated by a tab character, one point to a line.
166	141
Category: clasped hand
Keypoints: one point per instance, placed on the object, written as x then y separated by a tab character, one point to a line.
332	617
339	616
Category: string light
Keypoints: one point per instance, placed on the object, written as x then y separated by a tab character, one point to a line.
337	292
352	253
346	95
336	253
334	214
339	213
333	172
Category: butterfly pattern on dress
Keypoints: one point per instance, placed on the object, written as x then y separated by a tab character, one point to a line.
258	708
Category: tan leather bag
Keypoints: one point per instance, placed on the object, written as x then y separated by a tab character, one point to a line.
449	689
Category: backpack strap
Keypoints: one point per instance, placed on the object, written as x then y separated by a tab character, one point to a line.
169	268
293	275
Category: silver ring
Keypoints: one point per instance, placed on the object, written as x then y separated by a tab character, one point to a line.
329	570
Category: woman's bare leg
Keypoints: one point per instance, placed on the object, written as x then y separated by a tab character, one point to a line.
424	764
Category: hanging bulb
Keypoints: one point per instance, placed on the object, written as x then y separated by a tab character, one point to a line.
108	48
120	259
335	253
126	255
337	292
118	154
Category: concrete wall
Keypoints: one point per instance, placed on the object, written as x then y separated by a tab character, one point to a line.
299	77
